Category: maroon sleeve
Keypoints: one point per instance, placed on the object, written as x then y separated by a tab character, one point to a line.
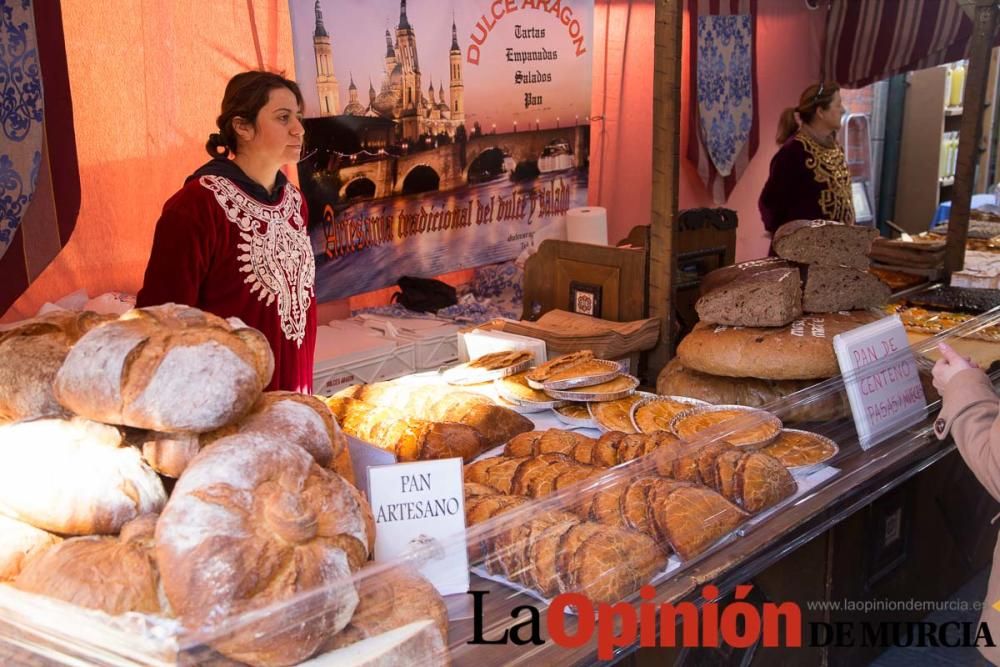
181	254
774	198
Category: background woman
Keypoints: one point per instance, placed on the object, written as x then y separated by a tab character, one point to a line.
233	241
809	179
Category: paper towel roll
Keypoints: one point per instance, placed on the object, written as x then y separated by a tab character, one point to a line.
587	224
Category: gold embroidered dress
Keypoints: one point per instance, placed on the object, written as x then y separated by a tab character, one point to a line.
808	181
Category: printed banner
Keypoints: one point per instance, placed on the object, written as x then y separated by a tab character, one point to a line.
439	140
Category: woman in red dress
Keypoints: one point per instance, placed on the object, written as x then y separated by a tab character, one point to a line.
809	179
233	241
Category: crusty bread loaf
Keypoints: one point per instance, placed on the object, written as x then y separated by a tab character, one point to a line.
300	419
444	404
765	299
255	521
113	574
743	270
165	368
824	242
19	543
30	356
410	439
74	477
416	643
389	600
803	350
829	289
677	380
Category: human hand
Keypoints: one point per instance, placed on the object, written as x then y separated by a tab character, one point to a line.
949	365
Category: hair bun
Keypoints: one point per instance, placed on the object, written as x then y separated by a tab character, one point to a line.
216	145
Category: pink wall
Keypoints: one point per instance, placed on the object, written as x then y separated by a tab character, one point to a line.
789	47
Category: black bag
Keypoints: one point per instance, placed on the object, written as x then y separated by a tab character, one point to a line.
424	295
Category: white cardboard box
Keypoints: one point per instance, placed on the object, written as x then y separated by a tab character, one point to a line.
474	344
349	354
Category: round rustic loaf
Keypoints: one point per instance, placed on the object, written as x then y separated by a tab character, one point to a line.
113	574
74	477
19	543
803	350
30	356
253	522
165	368
677	380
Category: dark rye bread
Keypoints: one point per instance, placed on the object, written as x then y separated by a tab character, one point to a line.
766	299
824	242
830	289
727	274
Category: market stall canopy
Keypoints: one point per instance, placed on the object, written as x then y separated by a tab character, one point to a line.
871	40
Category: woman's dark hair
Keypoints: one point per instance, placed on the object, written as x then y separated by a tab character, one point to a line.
816	96
246	93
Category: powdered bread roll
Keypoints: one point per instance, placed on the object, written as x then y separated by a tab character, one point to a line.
166	368
825	243
829	289
677	380
19	543
30	356
766	299
74	477
255	521
803	350
113	574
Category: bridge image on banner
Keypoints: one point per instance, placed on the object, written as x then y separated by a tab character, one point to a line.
461	149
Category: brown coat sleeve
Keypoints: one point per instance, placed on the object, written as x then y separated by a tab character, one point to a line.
969	412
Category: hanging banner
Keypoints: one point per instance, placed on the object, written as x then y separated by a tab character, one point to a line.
439	138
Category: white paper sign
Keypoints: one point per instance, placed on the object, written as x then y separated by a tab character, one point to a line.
418	506
881	378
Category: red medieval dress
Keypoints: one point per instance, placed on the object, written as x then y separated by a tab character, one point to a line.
808	181
227	246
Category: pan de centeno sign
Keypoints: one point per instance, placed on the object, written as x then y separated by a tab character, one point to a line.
446	141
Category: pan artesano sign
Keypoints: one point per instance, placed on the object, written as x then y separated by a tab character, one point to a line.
439	138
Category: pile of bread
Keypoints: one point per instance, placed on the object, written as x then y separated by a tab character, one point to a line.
102	414
771	322
615	534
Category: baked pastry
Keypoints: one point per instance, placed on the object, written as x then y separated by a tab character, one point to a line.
165	368
166	453
19	543
495	361
764	428
691	518
533	476
408	438
436	403
658	413
545	371
615	415
589	368
829	289
761	482
576	415
113	574
74	477
765	299
255	521
803	350
677	380
622	383
516	387
824	242
390	600
796	449
30	356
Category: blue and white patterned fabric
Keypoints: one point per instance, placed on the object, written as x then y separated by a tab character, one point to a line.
725	86
20	115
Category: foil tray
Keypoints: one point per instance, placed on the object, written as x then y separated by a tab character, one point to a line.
579	395
464	375
762	415
811	467
614	370
684	400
